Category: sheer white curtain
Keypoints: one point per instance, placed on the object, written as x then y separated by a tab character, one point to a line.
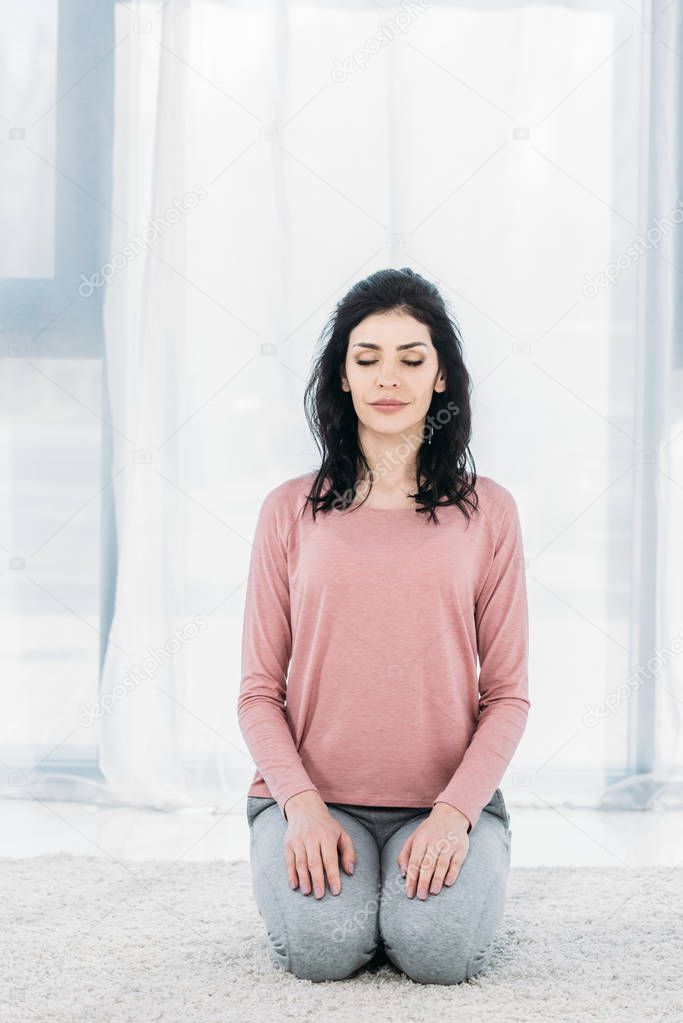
494	149
654	688
192	330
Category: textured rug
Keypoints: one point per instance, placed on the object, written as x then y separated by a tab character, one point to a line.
92	939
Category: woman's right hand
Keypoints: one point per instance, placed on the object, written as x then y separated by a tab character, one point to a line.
312	843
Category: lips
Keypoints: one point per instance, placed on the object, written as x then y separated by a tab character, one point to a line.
389	404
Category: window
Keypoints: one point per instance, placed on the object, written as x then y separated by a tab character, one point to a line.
57	77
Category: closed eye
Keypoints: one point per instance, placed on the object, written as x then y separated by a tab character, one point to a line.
373	362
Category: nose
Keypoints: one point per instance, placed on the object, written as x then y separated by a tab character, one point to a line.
385	379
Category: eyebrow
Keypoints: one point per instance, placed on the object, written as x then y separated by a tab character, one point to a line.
399	348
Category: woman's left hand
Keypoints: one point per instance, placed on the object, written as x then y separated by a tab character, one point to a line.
433	854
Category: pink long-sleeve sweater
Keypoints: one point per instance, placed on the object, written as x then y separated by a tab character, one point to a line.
361	637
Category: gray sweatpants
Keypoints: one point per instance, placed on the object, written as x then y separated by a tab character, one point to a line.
443	939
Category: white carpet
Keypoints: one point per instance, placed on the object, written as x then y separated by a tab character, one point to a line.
89	939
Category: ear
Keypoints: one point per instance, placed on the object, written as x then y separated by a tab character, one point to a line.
440	385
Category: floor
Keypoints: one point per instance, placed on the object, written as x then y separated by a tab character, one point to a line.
540	836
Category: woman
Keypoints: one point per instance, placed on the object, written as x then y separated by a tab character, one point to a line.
374	583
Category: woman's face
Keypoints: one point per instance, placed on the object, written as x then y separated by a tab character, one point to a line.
390	357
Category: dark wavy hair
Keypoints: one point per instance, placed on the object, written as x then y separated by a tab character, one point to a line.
334	422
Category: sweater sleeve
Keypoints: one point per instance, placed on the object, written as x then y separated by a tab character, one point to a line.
502	627
266	651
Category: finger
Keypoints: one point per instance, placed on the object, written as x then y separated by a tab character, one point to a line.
290	861
426	873
403	857
413	869
347	852
301	861
330	860
440	871
452	872
315	866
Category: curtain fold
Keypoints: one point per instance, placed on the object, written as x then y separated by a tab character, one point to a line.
146	327
656	675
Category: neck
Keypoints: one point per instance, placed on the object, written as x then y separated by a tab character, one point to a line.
392	462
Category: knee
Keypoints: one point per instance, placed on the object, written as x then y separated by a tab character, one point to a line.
437	957
318	954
